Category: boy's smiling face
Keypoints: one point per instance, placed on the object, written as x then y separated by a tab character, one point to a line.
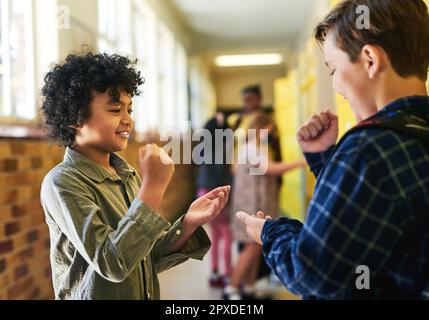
109	124
350	79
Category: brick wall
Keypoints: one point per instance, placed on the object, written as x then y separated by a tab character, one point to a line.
24	239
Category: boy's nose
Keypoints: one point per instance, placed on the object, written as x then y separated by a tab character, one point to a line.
126	120
127	117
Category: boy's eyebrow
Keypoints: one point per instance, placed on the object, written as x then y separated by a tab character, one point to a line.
122	103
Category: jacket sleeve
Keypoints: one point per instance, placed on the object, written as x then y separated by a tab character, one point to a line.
195	248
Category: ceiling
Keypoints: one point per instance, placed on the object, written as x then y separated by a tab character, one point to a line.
247	25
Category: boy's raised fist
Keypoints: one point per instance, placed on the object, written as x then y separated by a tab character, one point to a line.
156	167
319	133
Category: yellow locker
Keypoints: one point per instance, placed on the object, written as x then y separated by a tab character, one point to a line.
287	119
295	101
308	104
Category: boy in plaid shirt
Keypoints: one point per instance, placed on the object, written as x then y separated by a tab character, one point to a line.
371	201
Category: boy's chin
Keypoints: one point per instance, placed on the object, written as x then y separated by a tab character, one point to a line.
120	147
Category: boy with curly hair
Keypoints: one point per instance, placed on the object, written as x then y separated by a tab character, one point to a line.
366	234
108	240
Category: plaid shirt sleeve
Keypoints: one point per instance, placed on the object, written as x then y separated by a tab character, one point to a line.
351	221
317	161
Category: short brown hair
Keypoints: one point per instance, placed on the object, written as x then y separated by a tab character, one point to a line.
400	27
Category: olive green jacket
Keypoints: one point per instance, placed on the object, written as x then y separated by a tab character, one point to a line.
105	242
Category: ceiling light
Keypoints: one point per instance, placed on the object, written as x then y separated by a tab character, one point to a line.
249	60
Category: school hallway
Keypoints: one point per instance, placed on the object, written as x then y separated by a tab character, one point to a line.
198	66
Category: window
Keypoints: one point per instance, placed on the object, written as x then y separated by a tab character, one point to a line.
202	93
166	77
173	92
17	60
181	85
147	113
161	58
107	25
114	30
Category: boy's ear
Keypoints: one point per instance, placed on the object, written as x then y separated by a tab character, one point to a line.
373	59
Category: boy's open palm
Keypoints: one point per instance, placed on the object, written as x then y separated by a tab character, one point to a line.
207	207
253	224
319	133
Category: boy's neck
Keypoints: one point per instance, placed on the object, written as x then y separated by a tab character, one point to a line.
101	158
400	88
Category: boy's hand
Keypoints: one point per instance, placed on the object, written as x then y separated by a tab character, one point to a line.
156	169
201	211
253	224
319	133
207	207
155	166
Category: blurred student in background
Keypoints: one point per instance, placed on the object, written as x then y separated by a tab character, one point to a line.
250	193
210	176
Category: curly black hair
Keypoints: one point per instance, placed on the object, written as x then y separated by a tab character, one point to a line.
70	86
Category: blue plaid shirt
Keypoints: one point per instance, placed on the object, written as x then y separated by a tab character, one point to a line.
370	207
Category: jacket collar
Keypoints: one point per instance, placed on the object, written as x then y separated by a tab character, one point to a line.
95	171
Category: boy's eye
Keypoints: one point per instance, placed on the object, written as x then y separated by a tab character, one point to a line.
115	110
333	72
130	111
